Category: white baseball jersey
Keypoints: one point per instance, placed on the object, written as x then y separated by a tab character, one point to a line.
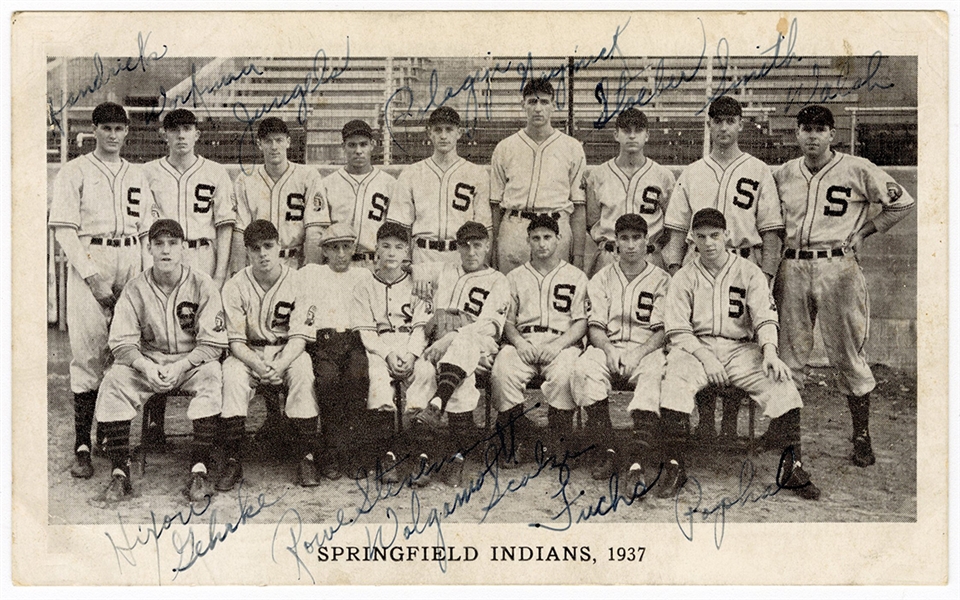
646	193
734	304
325	297
744	192
200	199
284	202
525	175
381	307
362	202
262	316
484	294
553	301
99	201
628	310
151	321
435	203
824	210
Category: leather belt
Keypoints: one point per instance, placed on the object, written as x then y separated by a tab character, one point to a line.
612	247
437	244
289	252
264	343
811	254
363	256
401	329
328	332
526	214
539	329
200	242
113	242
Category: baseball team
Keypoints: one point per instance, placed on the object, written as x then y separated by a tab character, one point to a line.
377	311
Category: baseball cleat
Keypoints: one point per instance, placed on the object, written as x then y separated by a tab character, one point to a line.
635	483
422	477
82	466
330	471
863	451
118	490
605	467
672	480
307	473
389	472
452	472
198	489
232	475
798	481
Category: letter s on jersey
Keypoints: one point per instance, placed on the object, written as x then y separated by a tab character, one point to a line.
746	193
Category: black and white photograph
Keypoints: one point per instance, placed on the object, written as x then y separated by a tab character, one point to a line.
640	288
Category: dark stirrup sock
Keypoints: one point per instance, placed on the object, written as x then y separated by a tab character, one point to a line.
449	378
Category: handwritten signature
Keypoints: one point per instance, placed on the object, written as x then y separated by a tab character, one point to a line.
193	97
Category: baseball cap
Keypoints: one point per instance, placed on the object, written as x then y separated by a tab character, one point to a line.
632	117
815	115
259	231
338	232
630	222
545	221
537	85
725	106
394	230
165	227
444	116
356	127
109	112
178	117
471	230
709	217
271	125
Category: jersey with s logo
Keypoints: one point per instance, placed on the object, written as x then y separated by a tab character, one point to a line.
628	310
362	201
553	300
254	314
200	198
483	295
611	194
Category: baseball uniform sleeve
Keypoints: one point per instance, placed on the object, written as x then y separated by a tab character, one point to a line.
599	301
678	209
498	175
362	309
318	208
125	333
65	206
883	189
762	307
678	311
402	208
514	306
580	309
769	214
482	199
243	207
497	304
579	165
659	300
224	200
234	310
211	321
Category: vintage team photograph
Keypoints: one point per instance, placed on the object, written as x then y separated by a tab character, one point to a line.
335	290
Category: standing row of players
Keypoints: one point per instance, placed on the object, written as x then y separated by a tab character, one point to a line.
822	205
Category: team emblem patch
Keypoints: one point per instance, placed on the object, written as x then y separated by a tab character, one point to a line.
187	316
220	324
318	201
894	191
311	315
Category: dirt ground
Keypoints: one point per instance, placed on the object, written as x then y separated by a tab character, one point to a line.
885	492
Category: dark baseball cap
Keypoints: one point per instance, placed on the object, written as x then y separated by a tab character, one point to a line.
632	118
630	222
471	230
393	230
537	85
109	112
709	217
259	231
545	221
356	127
444	116
725	106
271	125
815	115
179	117
165	227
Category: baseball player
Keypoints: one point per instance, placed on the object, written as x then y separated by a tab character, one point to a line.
357	194
715	307
285	193
167	334
99	201
537	170
339	358
626	337
266	347
545	324
628	183
742	188
826	198
195	192
469	309
386	312
438	195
